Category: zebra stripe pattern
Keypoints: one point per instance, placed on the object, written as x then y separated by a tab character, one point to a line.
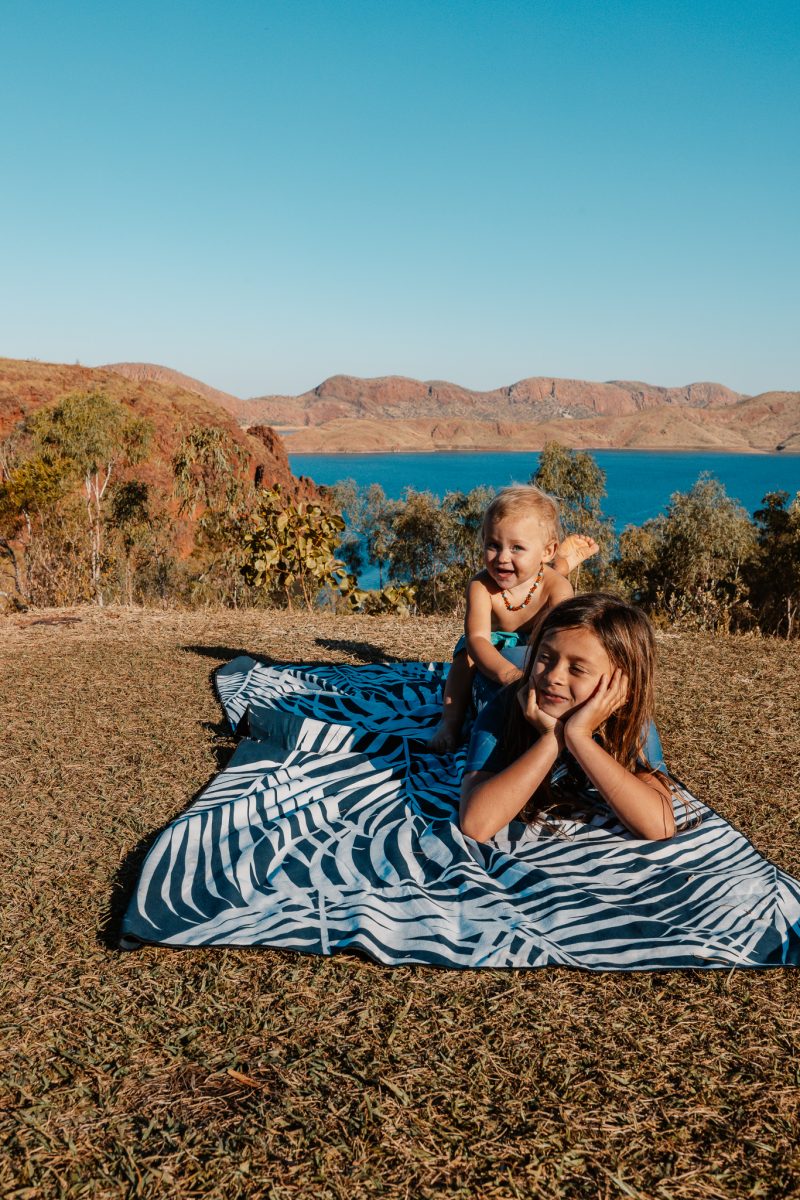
333	829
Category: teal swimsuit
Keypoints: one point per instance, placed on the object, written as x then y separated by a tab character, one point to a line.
502	638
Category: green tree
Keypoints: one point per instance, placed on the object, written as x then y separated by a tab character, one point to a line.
145	533
435	546
89	437
209	469
774	572
368	516
420	548
465	511
213	487
689	563
29	492
579	484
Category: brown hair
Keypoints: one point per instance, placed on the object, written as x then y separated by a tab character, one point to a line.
627	638
525	499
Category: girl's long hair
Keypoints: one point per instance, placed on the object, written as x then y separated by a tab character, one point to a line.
627	638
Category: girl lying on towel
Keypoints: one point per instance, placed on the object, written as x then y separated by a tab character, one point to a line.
576	723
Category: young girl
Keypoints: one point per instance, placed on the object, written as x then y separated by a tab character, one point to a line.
573	731
520	540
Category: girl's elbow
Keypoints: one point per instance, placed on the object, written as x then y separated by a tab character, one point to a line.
476	831
468	824
473	825
667	824
669	830
660	830
470	828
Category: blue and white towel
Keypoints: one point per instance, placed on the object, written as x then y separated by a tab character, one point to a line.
333	829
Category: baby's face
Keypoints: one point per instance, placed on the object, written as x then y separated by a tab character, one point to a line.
514	548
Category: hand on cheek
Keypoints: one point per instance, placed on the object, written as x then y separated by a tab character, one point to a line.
542	722
609	695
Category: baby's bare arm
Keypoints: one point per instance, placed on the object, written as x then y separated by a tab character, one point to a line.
478	630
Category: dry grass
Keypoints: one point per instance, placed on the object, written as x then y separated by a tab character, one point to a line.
233	1073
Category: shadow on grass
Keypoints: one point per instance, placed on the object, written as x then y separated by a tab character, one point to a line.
225	739
226	653
365	651
123	883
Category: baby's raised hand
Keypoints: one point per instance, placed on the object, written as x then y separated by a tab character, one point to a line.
609	695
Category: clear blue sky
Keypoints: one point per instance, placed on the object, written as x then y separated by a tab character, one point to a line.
262	194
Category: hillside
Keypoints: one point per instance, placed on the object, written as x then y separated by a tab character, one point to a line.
536	399
762	423
345	414
173	408
151	373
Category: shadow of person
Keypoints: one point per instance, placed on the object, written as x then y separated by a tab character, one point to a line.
226	653
365	652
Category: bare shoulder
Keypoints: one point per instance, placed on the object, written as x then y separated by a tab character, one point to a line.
555	587
480	585
479	596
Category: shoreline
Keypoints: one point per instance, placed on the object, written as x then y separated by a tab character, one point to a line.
749	452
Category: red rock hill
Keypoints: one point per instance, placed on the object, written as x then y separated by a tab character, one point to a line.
173	408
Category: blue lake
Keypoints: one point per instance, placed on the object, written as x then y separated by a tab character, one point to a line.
639	482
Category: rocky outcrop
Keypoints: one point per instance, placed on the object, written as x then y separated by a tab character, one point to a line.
276	469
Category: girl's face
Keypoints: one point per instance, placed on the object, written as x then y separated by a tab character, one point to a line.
567	669
514	548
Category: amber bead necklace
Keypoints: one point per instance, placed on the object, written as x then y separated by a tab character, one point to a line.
516	607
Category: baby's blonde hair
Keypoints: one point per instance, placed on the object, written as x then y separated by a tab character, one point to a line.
525	500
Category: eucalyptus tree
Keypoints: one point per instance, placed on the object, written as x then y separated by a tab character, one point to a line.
88	438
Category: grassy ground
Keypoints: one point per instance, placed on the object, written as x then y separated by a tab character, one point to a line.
233	1073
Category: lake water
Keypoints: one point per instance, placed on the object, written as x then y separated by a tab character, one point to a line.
639	482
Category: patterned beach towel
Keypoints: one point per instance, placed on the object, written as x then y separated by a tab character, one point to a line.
333	829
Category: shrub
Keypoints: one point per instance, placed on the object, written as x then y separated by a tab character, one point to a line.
579	484
689	563
289	550
86	437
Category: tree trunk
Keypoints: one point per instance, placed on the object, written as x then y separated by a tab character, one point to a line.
7	549
95	490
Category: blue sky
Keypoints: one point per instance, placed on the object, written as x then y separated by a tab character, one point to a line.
265	194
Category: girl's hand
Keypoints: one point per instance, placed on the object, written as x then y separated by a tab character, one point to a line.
541	722
609	695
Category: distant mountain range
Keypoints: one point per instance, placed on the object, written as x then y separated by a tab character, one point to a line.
345	414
